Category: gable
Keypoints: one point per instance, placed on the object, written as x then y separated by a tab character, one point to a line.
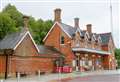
26	47
30	37
10	41
68	30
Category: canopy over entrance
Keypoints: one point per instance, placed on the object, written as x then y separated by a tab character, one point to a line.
101	52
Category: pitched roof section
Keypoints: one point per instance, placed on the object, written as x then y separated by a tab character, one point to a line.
68	29
13	40
10	41
49	51
105	37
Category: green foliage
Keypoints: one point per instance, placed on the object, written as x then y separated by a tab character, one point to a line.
117	55
7	25
14	14
11	19
40	29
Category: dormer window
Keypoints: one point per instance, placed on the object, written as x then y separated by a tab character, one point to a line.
93	38
62	39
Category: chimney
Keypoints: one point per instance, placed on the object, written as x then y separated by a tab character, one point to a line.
57	14
89	28
76	22
25	21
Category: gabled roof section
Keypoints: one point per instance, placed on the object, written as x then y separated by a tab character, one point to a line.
105	37
13	40
69	30
80	31
10	41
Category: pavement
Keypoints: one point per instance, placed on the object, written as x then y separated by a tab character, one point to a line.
65	76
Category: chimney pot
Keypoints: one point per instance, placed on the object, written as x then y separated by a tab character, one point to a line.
76	22
26	20
89	28
57	14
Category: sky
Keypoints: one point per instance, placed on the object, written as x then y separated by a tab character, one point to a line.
95	12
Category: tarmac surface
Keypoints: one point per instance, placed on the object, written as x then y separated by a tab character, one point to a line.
93	78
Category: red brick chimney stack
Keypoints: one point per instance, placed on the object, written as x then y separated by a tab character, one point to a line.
76	22
57	14
25	21
89	28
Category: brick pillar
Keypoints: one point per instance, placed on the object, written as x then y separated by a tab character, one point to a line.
89	28
76	22
26	21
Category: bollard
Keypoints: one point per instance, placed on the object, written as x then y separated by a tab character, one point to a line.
59	74
77	69
38	74
18	77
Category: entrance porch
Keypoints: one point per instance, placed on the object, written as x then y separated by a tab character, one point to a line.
90	59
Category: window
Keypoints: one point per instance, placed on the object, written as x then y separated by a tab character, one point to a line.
62	40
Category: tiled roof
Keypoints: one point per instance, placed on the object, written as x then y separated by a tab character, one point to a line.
10	41
71	31
49	51
68	29
105	37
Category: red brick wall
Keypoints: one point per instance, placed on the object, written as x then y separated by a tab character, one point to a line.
31	65
105	47
28	63
2	64
53	39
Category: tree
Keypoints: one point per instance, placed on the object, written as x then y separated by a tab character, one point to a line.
117	55
7	25
38	28
14	14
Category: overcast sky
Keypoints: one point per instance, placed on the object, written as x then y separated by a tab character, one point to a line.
95	12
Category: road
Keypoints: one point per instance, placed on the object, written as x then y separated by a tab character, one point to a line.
94	78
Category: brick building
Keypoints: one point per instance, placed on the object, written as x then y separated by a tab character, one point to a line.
82	48
19	53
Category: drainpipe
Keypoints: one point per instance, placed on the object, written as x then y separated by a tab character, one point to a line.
6	66
7	53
